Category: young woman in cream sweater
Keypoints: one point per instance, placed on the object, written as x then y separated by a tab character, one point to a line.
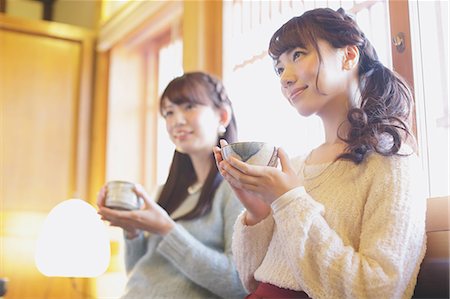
347	221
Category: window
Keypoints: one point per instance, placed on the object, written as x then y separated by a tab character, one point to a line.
170	66
255	91
429	29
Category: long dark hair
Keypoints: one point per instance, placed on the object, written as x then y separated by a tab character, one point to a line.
203	89
380	121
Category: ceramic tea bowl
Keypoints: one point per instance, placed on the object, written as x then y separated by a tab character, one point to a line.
121	196
252	152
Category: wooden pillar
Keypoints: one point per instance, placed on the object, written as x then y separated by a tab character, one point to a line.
202	36
99	126
402	55
3	6
47	11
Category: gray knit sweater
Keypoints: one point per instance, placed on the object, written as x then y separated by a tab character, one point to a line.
193	261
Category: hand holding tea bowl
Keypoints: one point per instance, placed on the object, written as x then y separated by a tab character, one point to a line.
129	206
250	168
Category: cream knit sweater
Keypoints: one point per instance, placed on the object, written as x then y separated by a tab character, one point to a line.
357	232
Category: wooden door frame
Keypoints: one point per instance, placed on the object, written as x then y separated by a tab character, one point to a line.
402	61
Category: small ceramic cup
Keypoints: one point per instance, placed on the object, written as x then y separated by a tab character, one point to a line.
252	152
120	196
3	286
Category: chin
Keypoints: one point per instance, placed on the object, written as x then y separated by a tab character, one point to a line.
305	112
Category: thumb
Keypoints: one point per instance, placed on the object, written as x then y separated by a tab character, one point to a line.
286	165
140	192
223	142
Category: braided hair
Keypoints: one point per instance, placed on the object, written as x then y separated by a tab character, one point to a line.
203	89
379	120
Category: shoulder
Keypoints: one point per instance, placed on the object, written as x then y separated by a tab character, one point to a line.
405	162
404	170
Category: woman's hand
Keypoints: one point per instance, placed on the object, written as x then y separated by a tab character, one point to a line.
151	217
257	210
268	183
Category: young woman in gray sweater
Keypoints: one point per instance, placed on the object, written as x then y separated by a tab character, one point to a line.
179	246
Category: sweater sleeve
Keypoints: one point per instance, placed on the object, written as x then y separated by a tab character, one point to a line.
391	241
137	247
134	250
207	267
250	245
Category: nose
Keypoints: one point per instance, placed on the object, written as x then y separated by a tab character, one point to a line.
287	77
179	118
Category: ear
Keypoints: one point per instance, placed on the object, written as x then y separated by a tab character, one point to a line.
350	57
225	115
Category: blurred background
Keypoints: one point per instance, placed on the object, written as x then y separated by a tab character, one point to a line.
80	82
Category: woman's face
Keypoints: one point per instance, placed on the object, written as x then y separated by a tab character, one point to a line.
298	69
191	127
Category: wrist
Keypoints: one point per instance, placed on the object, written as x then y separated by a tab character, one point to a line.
167	228
252	219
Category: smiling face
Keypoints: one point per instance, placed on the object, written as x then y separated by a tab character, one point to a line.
315	84
192	127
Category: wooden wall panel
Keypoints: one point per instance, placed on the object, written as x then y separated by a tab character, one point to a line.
45	98
40	120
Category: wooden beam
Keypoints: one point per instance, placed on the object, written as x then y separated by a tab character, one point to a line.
47	11
3	6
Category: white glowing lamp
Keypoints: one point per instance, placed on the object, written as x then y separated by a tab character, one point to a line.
73	242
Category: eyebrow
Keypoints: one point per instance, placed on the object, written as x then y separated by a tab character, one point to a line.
167	104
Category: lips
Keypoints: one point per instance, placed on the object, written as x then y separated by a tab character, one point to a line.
181	134
296	91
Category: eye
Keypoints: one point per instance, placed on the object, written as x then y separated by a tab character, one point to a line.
190	106
167	113
296	54
279	70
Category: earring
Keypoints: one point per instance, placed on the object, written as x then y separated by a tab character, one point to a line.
348	65
221	130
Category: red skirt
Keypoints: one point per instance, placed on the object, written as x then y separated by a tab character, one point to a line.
270	291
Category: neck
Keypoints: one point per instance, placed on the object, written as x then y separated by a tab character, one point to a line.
335	128
202	164
334	117
335	124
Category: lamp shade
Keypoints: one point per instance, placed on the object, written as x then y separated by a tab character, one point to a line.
73	242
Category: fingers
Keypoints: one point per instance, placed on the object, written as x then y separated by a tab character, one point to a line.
121	219
252	170
140	192
237	178
218	152
109	214
101	196
217	155
223	142
286	165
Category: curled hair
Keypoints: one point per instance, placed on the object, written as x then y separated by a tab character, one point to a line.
379	121
203	89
